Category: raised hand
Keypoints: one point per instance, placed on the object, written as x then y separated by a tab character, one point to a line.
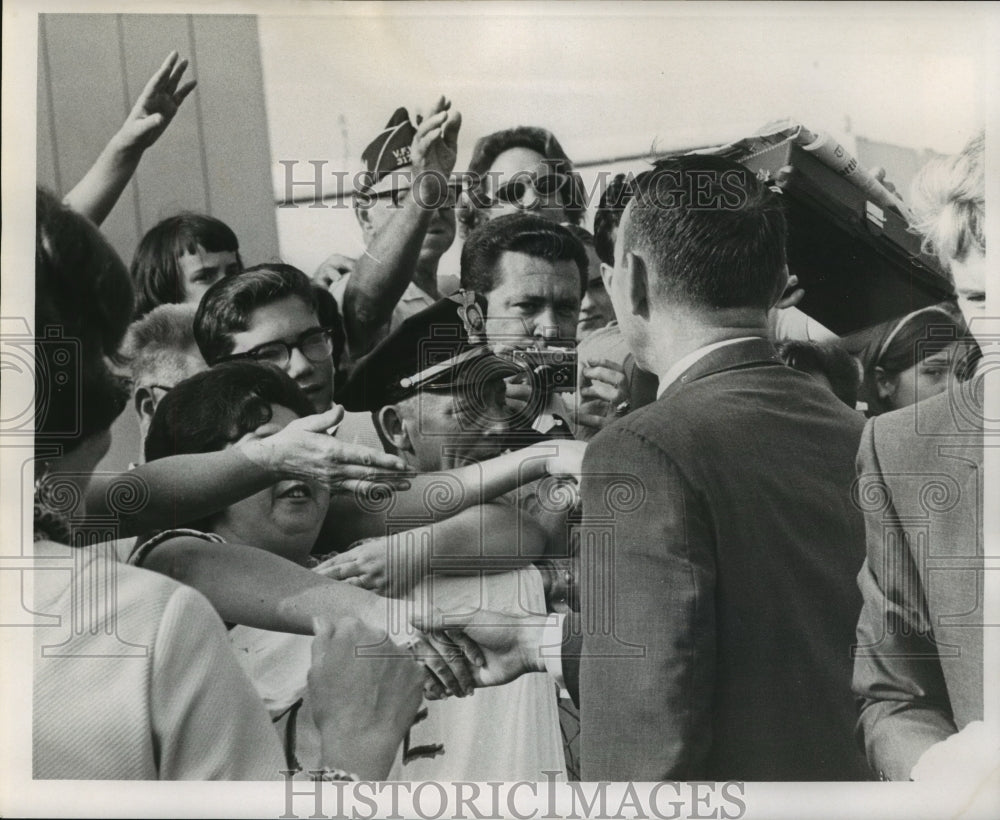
435	145
304	449
157	105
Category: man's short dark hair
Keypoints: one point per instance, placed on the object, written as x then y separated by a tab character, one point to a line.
156	274
609	212
713	235
539	140
226	307
517	233
206	412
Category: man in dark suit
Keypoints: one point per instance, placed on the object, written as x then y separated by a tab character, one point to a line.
919	660
719	648
721	545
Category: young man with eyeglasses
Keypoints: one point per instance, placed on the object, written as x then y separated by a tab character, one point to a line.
269	314
405	205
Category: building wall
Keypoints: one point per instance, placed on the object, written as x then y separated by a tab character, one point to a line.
214	158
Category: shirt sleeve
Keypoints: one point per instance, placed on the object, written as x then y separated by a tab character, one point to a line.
207	721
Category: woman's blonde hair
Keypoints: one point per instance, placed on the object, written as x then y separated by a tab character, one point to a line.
948	200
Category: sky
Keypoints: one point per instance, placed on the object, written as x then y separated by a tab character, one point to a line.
614	80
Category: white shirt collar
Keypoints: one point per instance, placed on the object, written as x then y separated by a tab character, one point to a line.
675	372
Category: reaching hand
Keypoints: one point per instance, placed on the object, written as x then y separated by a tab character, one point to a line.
382	564
500	647
157	105
363	703
303	449
567	459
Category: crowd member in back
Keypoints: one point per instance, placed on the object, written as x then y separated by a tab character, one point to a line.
918	666
159	351
406	209
145	686
521	169
827	362
180	258
911	359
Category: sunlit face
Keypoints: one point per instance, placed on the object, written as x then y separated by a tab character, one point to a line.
284	519
202	269
595	309
440	233
925	379
970	285
535	301
510	187
288	320
452	429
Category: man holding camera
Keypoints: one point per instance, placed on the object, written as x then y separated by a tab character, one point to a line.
533	274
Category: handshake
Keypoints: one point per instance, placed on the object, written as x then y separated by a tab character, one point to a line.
377	697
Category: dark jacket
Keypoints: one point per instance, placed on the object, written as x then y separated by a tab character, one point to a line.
719	603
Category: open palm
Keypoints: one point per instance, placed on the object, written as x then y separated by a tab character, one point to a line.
158	103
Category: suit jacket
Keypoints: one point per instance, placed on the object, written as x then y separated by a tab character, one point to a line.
719	558
919	664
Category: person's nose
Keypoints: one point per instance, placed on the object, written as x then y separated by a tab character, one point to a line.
546	327
298	365
530	200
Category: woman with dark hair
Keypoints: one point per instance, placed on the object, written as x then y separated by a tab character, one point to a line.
142	683
521	169
913	358
180	258
211	411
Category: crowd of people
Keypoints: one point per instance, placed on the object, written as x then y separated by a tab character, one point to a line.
596	479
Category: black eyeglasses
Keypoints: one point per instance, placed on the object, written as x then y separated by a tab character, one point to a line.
545	185
316	345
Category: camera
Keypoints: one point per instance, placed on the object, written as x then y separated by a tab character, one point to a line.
555	366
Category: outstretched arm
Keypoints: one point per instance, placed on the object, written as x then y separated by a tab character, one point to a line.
440	495
383	272
96	194
491	538
256	588
185	488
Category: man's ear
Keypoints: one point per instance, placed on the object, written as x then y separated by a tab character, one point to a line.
885	385
393	429
144	405
365	221
637	284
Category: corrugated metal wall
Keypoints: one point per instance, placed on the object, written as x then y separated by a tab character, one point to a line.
214	158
